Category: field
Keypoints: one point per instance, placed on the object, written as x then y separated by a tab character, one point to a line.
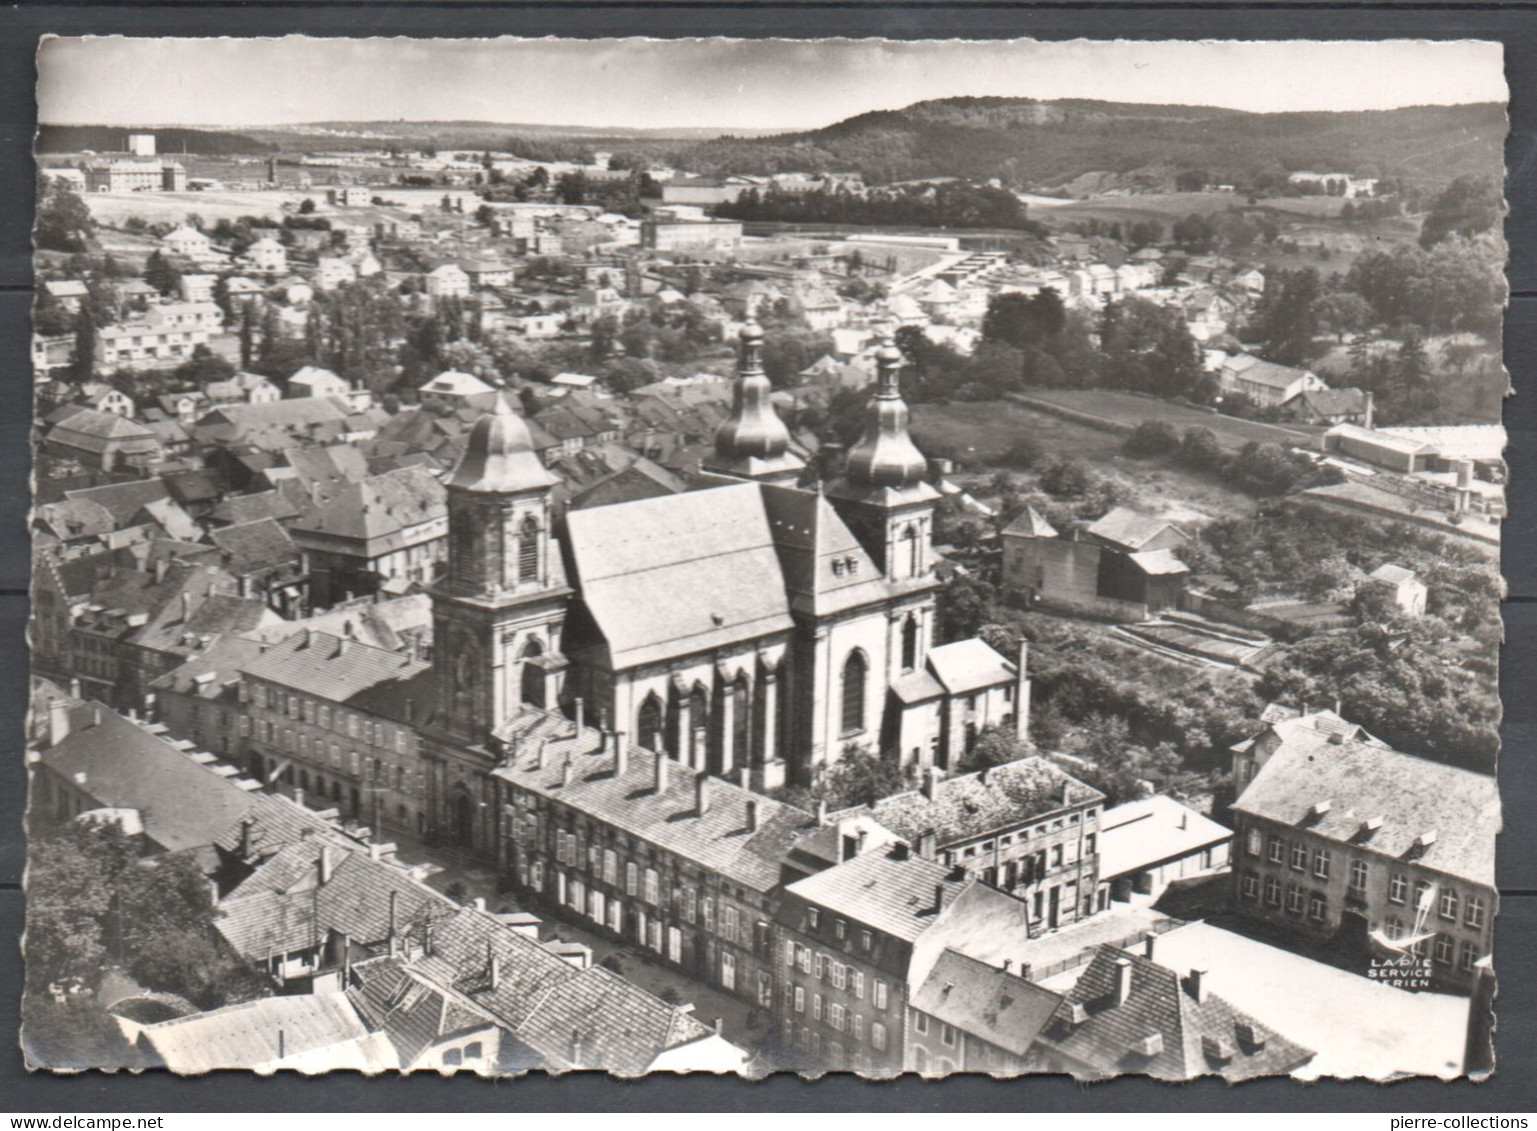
113	208
979	432
1129	410
1167	206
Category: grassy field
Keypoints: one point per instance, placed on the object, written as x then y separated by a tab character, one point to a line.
113	208
1127	409
979	432
1166	206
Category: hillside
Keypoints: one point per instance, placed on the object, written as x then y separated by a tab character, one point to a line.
169	140
1028	143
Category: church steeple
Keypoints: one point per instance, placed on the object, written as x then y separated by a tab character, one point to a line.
753	443
883	495
885	455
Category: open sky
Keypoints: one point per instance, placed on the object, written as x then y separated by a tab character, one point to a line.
740	84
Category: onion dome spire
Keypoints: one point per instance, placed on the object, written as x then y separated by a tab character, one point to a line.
499	457
753	430
885	455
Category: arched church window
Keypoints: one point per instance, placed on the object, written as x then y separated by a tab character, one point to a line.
649	723
855	672
914	552
910	643
528	550
532	679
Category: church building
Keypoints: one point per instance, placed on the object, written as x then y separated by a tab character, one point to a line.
749	628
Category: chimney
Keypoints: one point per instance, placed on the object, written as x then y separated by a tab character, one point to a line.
160	569
74	688
539	755
394	919
928	844
309	638
1371	410
480	905
621	754
1149	944
928	782
717	1024
1197	984
495	965
744	776
822	812
410	710
246	824
565	771
282	1045
1008	965
95	716
661	773
1184	821
701	795
341	645
298	796
752	814
1122	980
576	1049
325	864
58	721
580	716
1067	793
939	898
186	607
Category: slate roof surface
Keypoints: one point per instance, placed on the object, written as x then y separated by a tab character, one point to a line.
719	841
1332	402
183	804
273	504
1268	373
381	508
222	660
890	891
1361	782
970	805
1108	1040
332	668
1031	524
982	1000
810	538
252	546
679	574
124	500
617	1025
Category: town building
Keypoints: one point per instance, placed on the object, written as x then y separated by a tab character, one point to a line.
1379	852
103	441
268	257
129	175
187	242
1147	844
1122	567
448	281
1266	383
691	236
1405	590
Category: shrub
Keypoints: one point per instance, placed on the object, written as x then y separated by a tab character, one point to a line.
1152	438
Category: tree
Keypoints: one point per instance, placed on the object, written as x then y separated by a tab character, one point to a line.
247	335
995	746
857	778
63	220
1285	321
1152	438
1200	450
161	273
1023	321
306	206
50	317
1342	312
82	367
1469	206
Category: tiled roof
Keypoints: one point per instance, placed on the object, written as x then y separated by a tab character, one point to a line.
1162	1029
1268	373
1030	524
719	841
986	1002
634	562
381	508
971	805
411	1012
252	546
121	765
207	673
811	539
238	509
1332	402
890	891
91	429
1158	563
1148	831
1457	810
333	668
599	1020
124	500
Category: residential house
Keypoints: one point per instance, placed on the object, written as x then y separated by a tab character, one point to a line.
196	288
68	293
331	271
448	281
973	1016
268	257
188	243
265	563
1330	406
1266	383
1149	843
1404	587
313	381
103	441
452	390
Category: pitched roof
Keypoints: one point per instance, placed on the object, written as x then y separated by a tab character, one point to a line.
971	805
719	840
1162	1028
1139	834
599	1020
1392	574
252	546
330	667
1332	402
825	567
208	672
891	891
1457	811
313	1032
1031	524
635	563
1262	372
123	500
969	665
121	765
93	431
1158	563
1130	529
274	504
380	509
986	1002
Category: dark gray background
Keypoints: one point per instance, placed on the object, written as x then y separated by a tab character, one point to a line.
1514	1086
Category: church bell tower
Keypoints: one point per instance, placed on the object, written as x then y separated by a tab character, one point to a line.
497	613
753	443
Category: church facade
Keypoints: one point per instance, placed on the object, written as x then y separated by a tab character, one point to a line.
749	628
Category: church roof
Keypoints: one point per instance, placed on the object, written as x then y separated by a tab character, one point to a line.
499	456
825	568
679	574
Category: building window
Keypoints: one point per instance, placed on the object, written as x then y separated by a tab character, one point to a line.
855	673
1299	857
1358	875
1277	850
1250	883
910	641
857	983
866	940
1443	950
840	929
1321	864
1465	956
800	1000
1474	915
631	878
813	917
528	550
920	1023
946	1035
1293	899
653	888
1449	904
1398	887
1252	842
840	975
1318	906
878	994
1272	891
878	1036
816	1007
